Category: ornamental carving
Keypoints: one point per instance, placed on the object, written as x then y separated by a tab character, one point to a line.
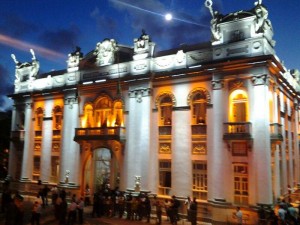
74	59
260	80
140	93
105	52
27	70
165	148
162	95
203	92
199	149
236	84
217	84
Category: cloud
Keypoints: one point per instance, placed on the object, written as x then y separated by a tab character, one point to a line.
6	86
13	25
149	15
61	39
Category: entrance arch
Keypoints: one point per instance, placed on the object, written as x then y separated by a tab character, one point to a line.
102	169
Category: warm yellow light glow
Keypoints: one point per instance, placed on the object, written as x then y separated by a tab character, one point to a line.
238	106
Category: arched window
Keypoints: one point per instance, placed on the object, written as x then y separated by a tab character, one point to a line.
199	103
118	114
238	106
88	120
103	112
166	105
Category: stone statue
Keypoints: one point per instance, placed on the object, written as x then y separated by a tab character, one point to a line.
215	28
105	52
262	21
27	68
137	183
74	59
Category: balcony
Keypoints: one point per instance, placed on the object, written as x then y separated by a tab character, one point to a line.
276	132
237	131
17	135
100	133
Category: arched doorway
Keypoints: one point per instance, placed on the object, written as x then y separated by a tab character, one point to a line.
102	169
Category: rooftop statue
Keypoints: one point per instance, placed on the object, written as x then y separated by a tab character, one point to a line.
215	29
22	68
105	52
262	21
74	59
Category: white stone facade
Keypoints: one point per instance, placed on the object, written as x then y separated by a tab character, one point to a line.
219	121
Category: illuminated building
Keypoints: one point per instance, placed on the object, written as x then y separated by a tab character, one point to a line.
218	121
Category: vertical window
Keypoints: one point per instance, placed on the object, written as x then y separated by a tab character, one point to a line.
200	180
57	112
166	105
54	168
103	112
36	167
240	184
118	114
238	106
164	177
39	119
199	108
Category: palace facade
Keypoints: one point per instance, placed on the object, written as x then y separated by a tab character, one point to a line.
218	121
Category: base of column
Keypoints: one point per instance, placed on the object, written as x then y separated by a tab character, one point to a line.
219	201
68	185
25	179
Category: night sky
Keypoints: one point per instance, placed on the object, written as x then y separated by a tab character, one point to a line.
54	28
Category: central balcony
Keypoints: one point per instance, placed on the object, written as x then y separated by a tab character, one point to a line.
237	131
100	133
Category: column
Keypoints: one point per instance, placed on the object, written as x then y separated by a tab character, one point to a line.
46	142
218	165
290	155
136	160
261	160
69	174
296	142
276	171
181	152
27	161
12	167
284	169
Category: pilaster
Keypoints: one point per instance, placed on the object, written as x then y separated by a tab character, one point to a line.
27	161
70	152
47	143
138	144
261	156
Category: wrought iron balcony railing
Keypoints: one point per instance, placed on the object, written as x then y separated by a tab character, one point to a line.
276	132
100	133
237	131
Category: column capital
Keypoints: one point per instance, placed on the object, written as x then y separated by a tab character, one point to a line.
70	100
260	80
139	93
217	84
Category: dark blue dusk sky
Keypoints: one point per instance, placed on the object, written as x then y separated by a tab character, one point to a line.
54	28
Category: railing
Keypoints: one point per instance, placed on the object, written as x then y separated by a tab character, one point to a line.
165	130
164	190
98	133
199	129
237	130
17	135
276	131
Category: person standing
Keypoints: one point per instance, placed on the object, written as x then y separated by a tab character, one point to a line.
72	212
239	216
80	207
158	205
36	213
193	212
14	214
188	202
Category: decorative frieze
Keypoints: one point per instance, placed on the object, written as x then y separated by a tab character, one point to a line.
165	148
199	148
